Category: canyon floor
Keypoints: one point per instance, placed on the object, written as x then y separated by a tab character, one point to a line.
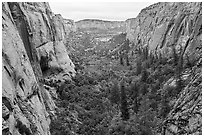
113	95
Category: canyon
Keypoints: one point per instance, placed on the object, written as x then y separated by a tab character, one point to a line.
139	76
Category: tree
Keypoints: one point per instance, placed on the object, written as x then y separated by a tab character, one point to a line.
115	94
147	118
179	69
144	75
127	61
139	67
165	108
44	63
124	106
174	54
134	96
143	88
121	59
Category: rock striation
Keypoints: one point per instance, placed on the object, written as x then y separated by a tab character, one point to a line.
169	29
100	29
33	42
162	26
100	24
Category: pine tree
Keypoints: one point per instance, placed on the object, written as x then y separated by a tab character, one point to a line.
143	88
179	69
144	75
136	105
139	67
136	101
121	58
127	61
134	96
115	94
174	54
124	106
44	63
165	108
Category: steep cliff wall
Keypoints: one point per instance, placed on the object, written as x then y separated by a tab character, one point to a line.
174	31
100	30
100	24
165	25
33	42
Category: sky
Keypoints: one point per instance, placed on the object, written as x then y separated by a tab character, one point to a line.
112	11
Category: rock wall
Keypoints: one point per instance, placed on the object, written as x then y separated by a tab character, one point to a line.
101	24
162	26
185	118
168	29
32	41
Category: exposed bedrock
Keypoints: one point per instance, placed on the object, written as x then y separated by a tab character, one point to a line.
33	41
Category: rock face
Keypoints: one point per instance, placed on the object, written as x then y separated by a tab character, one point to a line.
100	24
169	29
102	30
165	25
186	115
33	42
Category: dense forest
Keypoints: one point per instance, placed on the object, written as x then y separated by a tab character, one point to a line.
112	95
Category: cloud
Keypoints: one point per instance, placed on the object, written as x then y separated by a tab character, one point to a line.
99	10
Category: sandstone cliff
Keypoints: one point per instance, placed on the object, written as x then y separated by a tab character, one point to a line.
100	29
34	48
164	25
174	31
100	24
33	42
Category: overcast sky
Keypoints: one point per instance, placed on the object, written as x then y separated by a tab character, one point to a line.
118	11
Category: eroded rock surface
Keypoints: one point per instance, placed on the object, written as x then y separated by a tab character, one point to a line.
186	115
169	29
33	42
163	26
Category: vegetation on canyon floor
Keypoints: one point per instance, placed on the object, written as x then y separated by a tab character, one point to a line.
119	98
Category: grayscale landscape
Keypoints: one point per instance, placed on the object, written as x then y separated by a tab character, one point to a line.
138	74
